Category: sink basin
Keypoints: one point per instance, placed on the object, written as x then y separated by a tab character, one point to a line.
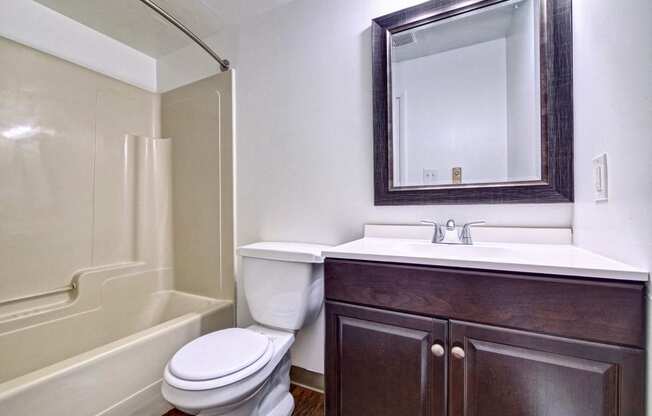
458	251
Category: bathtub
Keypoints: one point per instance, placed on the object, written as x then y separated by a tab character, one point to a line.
102	349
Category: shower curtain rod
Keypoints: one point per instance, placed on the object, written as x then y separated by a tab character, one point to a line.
224	63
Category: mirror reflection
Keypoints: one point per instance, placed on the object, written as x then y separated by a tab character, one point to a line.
465	99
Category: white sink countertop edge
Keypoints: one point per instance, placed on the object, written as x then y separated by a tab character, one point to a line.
549	259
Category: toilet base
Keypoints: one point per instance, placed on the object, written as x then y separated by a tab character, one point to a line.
273	399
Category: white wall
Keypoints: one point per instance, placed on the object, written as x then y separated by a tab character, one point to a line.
304	138
523	125
35	25
613	114
192	63
453	104
41	28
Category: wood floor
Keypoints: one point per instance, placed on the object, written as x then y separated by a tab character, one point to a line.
306	403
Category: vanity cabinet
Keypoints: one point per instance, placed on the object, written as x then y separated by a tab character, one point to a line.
384	363
515	373
431	341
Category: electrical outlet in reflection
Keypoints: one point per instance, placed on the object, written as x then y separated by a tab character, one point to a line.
430	176
457	175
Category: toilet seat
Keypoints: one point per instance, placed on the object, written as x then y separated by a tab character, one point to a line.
219	359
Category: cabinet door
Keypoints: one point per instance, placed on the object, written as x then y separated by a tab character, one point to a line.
502	372
382	363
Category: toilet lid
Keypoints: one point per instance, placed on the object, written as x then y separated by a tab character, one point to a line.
219	354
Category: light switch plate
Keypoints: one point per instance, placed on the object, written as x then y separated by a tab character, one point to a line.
600	178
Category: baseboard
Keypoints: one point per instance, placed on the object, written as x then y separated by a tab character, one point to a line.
308	379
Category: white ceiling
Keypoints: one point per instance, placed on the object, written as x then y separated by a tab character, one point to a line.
134	24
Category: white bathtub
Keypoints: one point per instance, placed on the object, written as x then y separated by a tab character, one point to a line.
102	351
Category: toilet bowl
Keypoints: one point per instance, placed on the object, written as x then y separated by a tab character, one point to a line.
246	371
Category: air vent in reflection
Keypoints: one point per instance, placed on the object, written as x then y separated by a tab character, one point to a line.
403	39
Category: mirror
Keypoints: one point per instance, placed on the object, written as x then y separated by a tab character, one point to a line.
466	98
458	99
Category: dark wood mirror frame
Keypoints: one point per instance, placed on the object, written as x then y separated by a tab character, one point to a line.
556	75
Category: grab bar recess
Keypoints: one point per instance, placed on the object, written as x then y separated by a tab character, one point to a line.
67	288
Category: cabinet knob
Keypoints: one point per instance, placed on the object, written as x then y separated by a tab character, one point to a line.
458	352
437	350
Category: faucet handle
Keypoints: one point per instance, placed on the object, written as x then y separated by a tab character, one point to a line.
429	222
438	234
465	234
469	224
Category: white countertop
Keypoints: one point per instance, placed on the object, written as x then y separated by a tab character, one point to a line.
553	259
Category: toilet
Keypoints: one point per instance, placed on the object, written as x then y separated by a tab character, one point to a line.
246	371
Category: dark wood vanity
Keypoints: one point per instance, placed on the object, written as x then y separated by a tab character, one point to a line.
426	340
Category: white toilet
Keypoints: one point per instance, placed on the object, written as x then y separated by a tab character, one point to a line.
246	372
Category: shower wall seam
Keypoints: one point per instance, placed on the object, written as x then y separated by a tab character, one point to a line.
94	178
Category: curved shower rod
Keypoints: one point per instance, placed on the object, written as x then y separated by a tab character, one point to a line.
224	63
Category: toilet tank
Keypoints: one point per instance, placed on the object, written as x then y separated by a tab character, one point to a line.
283	282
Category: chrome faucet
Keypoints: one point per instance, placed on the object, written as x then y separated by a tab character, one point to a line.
449	234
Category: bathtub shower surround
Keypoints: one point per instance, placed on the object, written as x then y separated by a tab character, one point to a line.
110	345
86	204
66	169
131	225
199	117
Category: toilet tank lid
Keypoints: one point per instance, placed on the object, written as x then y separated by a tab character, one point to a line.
283	251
